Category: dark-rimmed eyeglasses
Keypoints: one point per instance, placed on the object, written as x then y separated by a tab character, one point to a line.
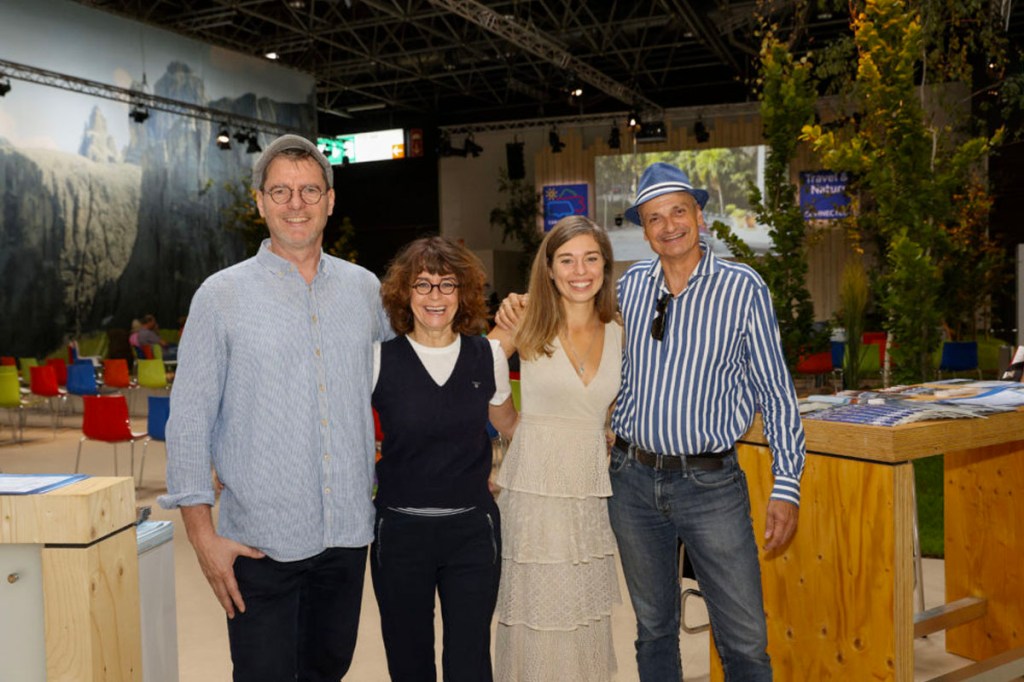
423	288
658	323
309	194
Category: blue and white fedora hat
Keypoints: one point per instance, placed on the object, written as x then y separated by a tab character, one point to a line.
662	178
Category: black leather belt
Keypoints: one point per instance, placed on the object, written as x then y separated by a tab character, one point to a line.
707	461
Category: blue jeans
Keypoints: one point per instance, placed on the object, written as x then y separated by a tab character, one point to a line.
709	511
300	617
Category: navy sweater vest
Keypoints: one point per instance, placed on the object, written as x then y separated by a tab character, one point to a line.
436	451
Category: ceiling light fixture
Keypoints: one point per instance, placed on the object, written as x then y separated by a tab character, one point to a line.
471	147
634	120
223	138
614	138
700	132
138	113
556	142
5	85
254	144
273	56
241	136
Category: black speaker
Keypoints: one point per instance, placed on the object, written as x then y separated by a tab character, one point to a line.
514	157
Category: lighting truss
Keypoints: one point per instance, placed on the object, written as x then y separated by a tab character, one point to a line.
61	81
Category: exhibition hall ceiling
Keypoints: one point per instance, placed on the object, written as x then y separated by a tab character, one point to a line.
463	61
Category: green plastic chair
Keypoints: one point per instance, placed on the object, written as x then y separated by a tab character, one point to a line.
11	399
26	369
152	374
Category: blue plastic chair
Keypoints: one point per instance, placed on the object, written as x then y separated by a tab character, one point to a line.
82	379
959	356
156	425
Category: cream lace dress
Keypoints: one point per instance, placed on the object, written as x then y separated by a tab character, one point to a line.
558	576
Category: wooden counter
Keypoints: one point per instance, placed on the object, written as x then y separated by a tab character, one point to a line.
839	599
85	535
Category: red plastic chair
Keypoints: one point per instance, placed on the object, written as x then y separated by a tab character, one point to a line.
106	419
61	369
117	376
43	383
8	360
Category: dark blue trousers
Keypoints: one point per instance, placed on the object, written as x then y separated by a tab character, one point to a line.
300	618
458	558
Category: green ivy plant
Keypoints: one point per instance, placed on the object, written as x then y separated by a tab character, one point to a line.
909	171
787	93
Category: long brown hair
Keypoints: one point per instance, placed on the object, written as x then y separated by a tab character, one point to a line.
544	315
438	256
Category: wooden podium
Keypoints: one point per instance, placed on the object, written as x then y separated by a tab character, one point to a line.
839	599
74	550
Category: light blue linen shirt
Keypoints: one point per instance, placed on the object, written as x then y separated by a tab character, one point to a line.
721	359
273	391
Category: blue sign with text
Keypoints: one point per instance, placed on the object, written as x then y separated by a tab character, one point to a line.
563	200
823	195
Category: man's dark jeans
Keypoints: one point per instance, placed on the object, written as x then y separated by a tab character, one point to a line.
300	618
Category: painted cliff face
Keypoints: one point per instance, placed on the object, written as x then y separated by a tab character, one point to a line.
101	218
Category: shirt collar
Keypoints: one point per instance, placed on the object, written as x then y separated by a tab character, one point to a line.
281	267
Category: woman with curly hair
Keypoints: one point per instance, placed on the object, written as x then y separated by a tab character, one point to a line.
438	529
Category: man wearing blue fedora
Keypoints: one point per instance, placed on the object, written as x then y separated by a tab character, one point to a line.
702	353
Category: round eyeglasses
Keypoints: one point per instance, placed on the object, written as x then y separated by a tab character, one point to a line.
282	195
424	288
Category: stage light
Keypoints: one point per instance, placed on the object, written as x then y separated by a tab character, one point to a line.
471	147
254	144
241	136
556	143
651	131
614	139
700	132
223	138
138	113
5	86
634	120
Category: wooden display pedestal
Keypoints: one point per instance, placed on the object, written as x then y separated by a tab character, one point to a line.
72	553
839	599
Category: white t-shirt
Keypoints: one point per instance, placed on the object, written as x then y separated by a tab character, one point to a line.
440	363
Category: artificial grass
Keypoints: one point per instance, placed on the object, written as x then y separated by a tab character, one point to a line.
930	521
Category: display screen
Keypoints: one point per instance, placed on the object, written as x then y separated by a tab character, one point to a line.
380	145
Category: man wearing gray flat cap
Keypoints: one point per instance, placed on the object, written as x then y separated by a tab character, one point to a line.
272	393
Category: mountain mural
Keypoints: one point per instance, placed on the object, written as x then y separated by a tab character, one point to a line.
91	241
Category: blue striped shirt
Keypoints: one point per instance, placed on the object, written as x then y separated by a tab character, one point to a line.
720	359
273	390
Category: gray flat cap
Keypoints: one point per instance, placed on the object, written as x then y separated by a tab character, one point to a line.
284	143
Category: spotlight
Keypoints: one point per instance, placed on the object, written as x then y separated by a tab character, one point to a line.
471	147
634	120
614	141
241	136
652	131
223	138
445	148
700	132
556	143
138	113
254	144
5	86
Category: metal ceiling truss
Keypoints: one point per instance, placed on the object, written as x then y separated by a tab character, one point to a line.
139	99
467	61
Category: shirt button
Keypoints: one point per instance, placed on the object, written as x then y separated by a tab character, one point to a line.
316	352
314	319
323	422
322	388
327	490
327	457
